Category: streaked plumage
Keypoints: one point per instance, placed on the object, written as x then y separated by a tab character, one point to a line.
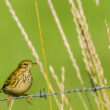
20	80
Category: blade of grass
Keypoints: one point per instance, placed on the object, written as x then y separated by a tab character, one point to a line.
45	64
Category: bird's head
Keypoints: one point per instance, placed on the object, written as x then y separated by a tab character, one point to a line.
26	64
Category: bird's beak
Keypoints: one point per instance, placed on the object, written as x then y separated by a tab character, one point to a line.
34	63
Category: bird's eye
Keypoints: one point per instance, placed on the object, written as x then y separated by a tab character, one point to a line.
25	64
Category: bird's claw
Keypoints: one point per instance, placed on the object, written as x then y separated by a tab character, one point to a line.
29	98
9	99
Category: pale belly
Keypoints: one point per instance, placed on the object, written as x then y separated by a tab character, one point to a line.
19	88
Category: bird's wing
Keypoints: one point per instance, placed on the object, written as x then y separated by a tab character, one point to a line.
10	80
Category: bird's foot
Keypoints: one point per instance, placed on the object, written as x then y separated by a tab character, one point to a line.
28	98
9	99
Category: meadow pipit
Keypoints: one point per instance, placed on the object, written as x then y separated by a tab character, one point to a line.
19	81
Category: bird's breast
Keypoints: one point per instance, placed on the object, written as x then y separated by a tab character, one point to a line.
25	81
21	85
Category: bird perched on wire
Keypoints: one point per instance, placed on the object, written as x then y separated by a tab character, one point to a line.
19	81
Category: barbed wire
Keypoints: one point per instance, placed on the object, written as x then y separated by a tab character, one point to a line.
44	95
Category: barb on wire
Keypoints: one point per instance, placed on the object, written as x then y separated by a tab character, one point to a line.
44	95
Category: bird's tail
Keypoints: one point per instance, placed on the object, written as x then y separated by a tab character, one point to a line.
1	90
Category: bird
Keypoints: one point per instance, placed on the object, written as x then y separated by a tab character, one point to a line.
19	81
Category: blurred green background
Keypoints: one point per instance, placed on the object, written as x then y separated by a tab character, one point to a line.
13	47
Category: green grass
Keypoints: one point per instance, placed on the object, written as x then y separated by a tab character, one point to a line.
13	47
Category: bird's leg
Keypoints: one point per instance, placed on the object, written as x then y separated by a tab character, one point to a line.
28	97
9	99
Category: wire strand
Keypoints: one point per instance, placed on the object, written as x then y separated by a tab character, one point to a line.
44	95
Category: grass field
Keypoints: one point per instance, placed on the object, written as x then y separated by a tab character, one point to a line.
14	48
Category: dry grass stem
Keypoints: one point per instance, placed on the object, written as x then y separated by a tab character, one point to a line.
89	44
54	76
59	85
81	12
11	105
101	101
91	58
83	45
81	39
65	42
62	88
108	32
55	97
97	2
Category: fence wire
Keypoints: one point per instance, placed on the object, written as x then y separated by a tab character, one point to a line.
44	95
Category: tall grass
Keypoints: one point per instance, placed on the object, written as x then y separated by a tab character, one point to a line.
90	57
61	87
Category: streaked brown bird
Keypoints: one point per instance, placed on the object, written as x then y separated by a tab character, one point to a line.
19	81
